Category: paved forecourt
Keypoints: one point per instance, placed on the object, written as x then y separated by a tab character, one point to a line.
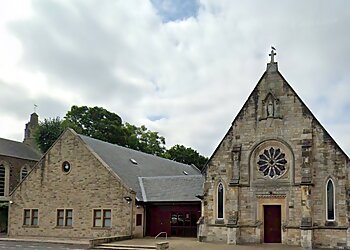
27	245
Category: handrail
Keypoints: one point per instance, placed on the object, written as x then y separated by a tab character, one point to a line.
166	235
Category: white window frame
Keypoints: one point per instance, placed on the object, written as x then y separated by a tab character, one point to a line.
327	219
6	179
26	167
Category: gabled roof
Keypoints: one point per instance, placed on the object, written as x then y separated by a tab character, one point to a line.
272	67
171	188
18	150
130	164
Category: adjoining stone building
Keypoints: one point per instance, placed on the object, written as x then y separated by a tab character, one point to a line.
277	175
16	160
87	188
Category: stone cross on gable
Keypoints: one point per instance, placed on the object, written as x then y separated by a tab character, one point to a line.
272	56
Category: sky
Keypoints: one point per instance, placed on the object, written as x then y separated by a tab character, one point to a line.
182	68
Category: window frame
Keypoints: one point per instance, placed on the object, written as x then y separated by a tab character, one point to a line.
103	218
26	216
5	186
138	220
222	210
35	217
67	217
32	215
333	196
62	215
24	168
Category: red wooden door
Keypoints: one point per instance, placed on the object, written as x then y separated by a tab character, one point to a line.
158	220
272	224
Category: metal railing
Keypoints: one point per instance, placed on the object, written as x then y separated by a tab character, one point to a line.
166	235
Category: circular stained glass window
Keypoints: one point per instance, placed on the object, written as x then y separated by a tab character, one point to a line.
272	163
66	167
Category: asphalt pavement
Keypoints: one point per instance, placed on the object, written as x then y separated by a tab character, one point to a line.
25	245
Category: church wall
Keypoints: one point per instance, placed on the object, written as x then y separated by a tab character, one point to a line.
15	165
312	157
87	186
329	238
217	233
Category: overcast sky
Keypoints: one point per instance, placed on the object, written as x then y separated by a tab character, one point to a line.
182	68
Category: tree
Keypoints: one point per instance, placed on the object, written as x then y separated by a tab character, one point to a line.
47	132
96	122
142	139
185	155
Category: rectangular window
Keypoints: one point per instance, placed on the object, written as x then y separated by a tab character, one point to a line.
26	220
69	217
139	220
102	218
2	180
107	218
35	217
60	217
31	217
64	217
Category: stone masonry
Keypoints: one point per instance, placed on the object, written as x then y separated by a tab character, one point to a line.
87	186
275	128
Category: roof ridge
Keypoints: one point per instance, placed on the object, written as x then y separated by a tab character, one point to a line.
171	176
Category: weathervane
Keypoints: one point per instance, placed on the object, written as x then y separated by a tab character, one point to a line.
272	54
35	106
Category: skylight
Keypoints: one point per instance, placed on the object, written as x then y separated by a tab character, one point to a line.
184	172
133	161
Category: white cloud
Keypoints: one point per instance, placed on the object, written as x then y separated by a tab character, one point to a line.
196	72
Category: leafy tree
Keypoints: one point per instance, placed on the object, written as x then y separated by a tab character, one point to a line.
48	132
142	139
185	155
96	122
104	125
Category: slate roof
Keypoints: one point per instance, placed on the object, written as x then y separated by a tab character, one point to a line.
119	160
18	150
171	188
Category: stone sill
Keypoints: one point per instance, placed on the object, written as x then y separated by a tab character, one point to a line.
30	226
101	228
63	227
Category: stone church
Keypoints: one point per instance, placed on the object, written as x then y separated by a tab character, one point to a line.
277	176
16	161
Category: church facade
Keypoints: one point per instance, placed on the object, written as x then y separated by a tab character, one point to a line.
277	176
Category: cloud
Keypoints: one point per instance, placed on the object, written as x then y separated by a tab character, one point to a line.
173	10
184	71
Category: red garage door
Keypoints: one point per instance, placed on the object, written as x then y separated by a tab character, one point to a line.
176	220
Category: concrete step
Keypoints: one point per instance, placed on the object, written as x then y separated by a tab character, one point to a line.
124	247
116	248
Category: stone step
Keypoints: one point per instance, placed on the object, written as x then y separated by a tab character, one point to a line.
124	247
117	248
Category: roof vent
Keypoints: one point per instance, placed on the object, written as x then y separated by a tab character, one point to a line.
133	161
184	172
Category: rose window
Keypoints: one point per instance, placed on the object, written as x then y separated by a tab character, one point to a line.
272	163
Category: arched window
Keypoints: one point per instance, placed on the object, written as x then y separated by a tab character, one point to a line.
330	201
220	201
2	180
24	172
